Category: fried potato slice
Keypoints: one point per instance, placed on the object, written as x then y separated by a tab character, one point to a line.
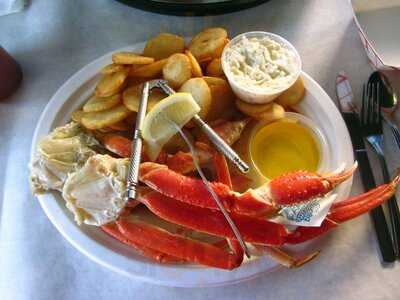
133	95
164	45
111	84
130	58
111	68
196	69
292	95
201	94
149	71
177	70
98	104
214	68
221	95
208	43
218	52
250	109
211	80
275	112
105	118
77	115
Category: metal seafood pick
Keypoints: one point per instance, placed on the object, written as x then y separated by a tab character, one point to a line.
133	172
218	142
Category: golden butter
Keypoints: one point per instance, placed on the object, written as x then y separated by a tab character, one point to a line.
282	147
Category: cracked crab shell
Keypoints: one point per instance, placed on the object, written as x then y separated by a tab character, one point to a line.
61	152
95	192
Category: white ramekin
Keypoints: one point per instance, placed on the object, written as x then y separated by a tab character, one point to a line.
266	95
322	142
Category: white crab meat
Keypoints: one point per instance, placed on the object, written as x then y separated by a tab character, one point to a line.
61	152
95	192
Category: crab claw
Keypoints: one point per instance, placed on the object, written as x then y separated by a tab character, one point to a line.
302	185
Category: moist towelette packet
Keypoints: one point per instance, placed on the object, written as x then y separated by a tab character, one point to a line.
310	213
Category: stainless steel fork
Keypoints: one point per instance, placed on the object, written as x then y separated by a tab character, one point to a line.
372	129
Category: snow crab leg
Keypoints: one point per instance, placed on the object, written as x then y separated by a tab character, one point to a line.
175	245
182	200
287	189
171	248
261	231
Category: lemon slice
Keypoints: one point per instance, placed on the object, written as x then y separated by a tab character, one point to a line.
158	126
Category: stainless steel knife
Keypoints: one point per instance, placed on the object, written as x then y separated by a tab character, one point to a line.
349	112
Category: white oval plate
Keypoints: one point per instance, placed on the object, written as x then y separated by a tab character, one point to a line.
120	258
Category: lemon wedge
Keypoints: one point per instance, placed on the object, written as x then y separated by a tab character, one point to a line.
158	126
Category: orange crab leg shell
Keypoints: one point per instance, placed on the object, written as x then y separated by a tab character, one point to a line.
229	131
222	170
346	210
354	209
240	182
117	144
213	222
358	198
301	186
173	244
182	162
161	257
223	176
302	234
192	191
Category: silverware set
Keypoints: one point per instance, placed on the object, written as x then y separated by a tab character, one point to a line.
378	104
371	122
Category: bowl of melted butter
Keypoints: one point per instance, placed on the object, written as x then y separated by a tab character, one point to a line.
290	144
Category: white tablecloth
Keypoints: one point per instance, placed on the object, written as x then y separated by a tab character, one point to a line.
54	39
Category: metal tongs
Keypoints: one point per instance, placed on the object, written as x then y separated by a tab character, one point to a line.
224	148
